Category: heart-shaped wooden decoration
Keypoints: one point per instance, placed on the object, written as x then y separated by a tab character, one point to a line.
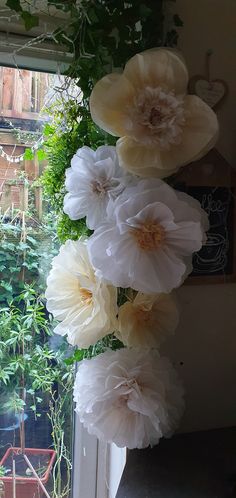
212	92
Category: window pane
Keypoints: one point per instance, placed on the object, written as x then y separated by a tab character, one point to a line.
35	380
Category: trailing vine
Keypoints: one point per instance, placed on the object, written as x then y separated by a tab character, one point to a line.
102	35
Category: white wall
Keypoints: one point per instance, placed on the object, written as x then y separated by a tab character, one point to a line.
205	342
206	338
211	24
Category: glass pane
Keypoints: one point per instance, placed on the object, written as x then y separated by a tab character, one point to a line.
35	380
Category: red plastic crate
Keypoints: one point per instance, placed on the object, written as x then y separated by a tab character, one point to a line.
26	487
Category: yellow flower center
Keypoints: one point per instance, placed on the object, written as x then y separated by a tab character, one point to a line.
86	295
99	187
149	236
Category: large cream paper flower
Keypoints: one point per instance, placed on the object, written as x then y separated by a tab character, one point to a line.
161	127
149	237
130	397
147	320
85	306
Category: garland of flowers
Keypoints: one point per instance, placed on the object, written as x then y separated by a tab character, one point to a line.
119	280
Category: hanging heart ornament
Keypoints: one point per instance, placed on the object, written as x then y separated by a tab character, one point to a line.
212	92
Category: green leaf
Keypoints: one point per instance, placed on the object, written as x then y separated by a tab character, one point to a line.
28	155
14	5
32	240
6	286
41	154
48	130
29	20
78	356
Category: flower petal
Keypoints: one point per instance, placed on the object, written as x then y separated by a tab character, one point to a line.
85	305
130	397
143	160
200	134
108	102
158	67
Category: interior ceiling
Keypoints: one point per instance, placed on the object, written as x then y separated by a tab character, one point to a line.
15	41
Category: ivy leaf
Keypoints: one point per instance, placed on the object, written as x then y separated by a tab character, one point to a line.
14	5
29	20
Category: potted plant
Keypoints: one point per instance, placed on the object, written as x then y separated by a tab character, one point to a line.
35	382
26	472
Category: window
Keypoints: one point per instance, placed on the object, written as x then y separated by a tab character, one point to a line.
36	381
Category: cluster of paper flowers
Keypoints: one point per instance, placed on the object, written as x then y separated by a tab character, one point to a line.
145	234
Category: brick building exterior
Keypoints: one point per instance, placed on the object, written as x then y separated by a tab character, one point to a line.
22	96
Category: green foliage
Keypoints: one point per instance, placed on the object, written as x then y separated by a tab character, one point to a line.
31	367
26	357
25	256
103	35
71	229
2	470
107	343
70	129
28	155
110	33
30	21
14	5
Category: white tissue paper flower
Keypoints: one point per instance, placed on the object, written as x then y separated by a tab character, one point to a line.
149	237
93	178
147	320
129	397
83	303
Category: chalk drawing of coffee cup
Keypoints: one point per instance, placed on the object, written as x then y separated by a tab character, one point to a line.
213	256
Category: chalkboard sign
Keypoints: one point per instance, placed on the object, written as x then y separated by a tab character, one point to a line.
217	256
212	181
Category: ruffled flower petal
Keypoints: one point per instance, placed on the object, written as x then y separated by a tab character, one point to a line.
108	102
161	128
158	67
147	320
144	161
149	238
85	306
93	178
129	397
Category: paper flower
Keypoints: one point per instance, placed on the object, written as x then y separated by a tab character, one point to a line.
149	238
85	306
93	178
161	127
147	320
129	397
